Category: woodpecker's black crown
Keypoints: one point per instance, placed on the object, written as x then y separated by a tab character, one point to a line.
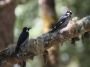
26	29
70	12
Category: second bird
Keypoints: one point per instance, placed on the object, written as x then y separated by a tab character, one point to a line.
62	22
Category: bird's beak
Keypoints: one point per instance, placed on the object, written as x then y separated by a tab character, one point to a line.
29	28
70	12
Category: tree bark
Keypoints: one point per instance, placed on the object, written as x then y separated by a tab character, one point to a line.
7	20
48	15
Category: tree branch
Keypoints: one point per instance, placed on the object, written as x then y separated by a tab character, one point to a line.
40	44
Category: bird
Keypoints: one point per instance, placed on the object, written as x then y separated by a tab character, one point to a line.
62	22
22	38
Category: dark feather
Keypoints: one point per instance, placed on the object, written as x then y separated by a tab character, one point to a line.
23	36
62	22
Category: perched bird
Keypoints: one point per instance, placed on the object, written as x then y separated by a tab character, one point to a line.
21	43
62	22
22	38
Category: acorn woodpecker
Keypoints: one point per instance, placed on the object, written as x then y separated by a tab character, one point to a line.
62	22
22	38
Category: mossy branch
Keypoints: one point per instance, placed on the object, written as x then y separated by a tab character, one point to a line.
40	44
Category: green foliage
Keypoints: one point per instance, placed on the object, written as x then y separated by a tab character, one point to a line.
26	14
80	8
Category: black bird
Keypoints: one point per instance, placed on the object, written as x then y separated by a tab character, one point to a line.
62	22
21	42
22	38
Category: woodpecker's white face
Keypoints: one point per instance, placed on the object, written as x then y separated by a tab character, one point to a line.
26	29
68	13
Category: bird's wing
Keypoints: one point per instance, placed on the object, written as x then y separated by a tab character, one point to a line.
65	21
23	36
23	45
61	20
21	40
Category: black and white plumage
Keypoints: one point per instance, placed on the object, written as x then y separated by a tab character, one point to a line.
62	22
22	38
